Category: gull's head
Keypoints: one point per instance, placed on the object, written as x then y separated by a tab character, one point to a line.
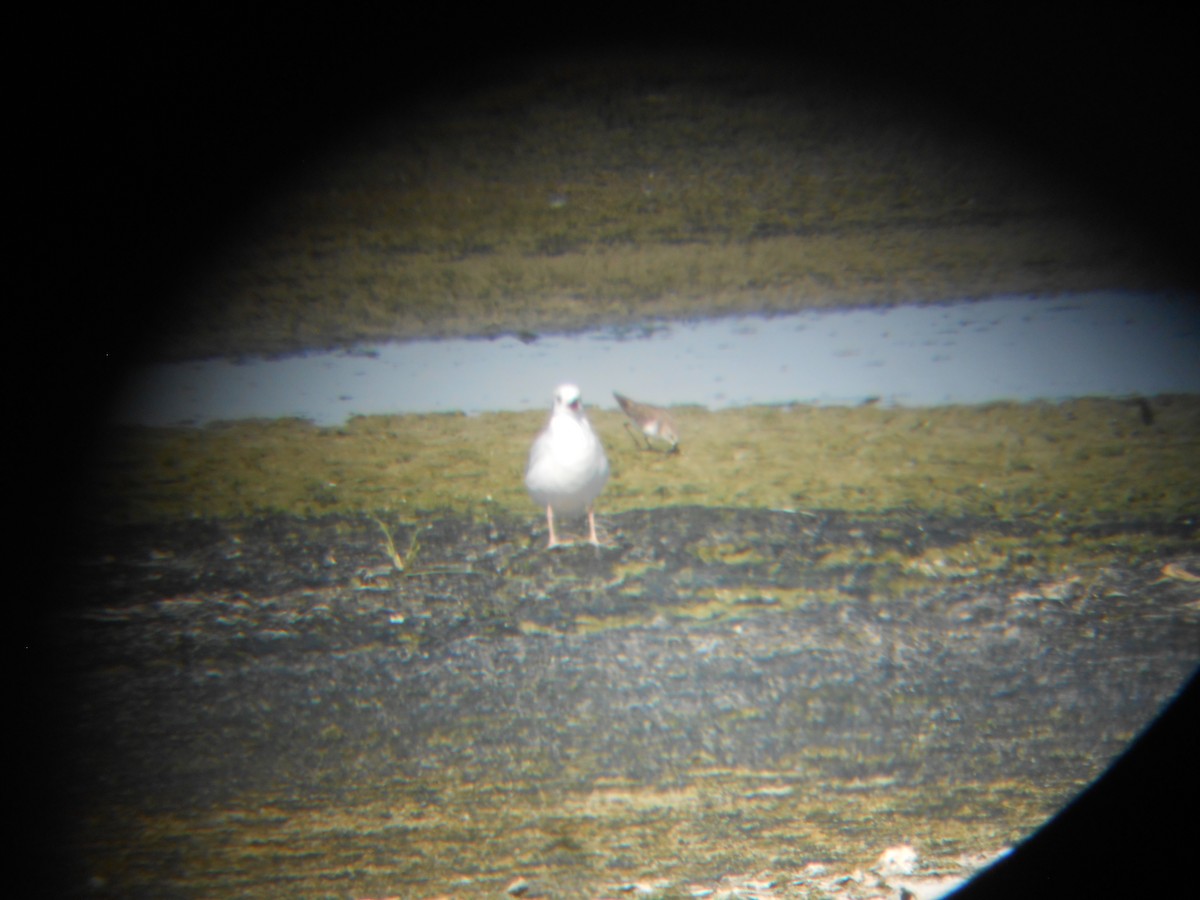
567	398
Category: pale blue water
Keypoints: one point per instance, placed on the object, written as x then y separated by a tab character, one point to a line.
1010	348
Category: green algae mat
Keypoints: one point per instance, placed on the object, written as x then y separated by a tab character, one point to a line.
1085	460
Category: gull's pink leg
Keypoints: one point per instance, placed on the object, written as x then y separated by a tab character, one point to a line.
592	527
550	522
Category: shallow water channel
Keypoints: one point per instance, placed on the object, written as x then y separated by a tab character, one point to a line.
1013	348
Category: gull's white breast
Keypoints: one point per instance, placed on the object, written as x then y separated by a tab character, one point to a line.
567	466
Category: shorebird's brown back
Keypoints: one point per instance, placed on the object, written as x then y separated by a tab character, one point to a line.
653	421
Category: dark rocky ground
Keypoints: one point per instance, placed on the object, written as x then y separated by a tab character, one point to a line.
713	692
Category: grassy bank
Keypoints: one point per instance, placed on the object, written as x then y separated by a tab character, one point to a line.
1084	460
607	191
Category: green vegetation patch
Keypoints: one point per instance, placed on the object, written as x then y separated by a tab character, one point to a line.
610	191
454	838
1077	462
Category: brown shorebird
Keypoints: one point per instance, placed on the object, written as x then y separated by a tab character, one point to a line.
567	466
653	421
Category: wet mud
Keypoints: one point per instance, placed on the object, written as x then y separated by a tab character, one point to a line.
272	704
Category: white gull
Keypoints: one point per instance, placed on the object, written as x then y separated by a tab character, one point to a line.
567	467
